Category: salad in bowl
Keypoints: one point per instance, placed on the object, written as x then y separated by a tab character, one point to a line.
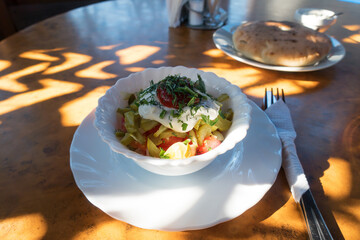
172	120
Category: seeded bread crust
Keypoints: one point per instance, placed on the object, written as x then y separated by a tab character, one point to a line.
281	43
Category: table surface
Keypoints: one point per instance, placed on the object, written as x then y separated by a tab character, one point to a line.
52	74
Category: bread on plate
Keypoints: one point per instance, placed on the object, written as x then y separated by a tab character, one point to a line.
281	43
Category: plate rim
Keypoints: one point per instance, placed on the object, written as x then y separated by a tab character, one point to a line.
214	222
325	63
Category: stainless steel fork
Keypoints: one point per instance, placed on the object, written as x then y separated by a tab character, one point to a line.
315	223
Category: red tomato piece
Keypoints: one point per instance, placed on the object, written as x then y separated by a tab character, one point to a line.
138	147
120	122
166	99
153	130
209	143
167	142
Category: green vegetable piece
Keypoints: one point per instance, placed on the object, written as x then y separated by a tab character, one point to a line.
229	114
119	134
223	97
147	124
130	122
131	99
134	106
127	139
137	136
123	110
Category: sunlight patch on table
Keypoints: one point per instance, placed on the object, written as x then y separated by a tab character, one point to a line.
51	88
4	64
352	28
109	47
30	227
216	53
242	77
135	54
73	112
157	62
355	38
253	81
96	71
104	230
333	188
10	82
348	218
288	215
72	60
40	55
291	87
134	69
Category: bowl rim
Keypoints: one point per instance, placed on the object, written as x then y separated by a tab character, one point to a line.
305	13
174	162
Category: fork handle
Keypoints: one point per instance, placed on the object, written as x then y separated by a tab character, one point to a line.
315	223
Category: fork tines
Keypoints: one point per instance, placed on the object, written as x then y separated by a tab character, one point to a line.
270	98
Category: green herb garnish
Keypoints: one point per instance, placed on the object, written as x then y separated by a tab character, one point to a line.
163	155
162	114
206	119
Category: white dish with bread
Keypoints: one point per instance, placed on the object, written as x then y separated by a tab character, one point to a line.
281	46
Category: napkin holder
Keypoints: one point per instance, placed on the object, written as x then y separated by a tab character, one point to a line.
198	14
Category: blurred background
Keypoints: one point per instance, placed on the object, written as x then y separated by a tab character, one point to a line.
19	14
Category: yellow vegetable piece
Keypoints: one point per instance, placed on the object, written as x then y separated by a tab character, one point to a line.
218	135
178	150
203	132
192	137
155	140
154	151
161	129
169	133
223	97
223	124
197	125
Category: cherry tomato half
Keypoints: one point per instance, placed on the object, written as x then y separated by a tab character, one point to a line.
209	143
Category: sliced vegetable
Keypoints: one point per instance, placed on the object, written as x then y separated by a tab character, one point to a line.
178	150
154	151
209	143
147	124
160	130
218	135
223	97
223	124
203	132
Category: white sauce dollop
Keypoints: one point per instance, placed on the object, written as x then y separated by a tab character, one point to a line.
151	111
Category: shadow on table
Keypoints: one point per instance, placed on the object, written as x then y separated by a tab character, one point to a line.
45	92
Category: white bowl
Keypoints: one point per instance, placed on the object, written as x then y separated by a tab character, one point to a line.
314	18
105	118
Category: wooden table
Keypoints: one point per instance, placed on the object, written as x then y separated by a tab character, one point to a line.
52	74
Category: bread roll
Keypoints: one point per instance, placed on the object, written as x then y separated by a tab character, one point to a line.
281	43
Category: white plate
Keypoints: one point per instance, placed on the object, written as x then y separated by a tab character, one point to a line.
223	40
231	184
